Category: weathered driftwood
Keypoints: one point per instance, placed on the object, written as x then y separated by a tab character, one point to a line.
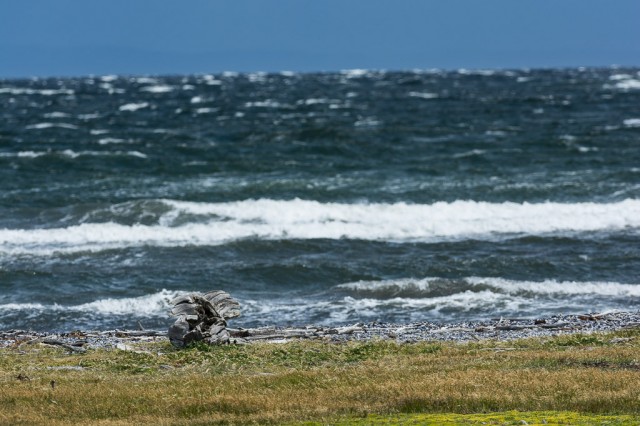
512	327
55	342
202	317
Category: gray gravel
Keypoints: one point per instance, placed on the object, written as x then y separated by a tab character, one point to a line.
502	329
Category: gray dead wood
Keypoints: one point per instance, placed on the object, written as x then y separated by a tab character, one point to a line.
202	318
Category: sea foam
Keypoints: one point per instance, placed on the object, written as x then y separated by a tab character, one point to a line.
74	154
202	224
161	88
133	106
632	122
433	286
155	304
440	298
43	92
40	126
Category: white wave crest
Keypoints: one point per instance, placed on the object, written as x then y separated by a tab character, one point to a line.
549	287
349	309
269	103
133	106
23	154
56	114
423	95
156	304
40	126
43	92
161	88
199	224
425	287
624	83
74	154
474	297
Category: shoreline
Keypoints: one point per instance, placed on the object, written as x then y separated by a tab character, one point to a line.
499	329
573	371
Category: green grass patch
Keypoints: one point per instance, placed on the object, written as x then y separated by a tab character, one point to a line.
502	418
550	379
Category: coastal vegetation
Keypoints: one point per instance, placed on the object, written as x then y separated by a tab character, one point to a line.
570	379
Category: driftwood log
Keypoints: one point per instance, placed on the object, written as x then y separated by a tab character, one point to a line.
202	317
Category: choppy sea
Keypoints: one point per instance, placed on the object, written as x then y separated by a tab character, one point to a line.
320	198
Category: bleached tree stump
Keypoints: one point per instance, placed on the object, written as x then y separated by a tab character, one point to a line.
202	317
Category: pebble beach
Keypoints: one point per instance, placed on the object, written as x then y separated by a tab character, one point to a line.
500	329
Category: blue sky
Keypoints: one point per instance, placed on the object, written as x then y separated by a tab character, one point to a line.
80	37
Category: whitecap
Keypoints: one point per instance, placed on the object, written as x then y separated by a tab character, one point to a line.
109	78
25	306
56	114
265	104
415	299
110	89
206	110
75	154
162	88
107	141
72	154
44	92
92	116
430	286
632	122
560	288
257	77
40	126
355	73
367	122
155	304
145	80
23	154
211	80
618	77
132	154
630	84
133	106
423	95
585	149
472	153
210	224
315	101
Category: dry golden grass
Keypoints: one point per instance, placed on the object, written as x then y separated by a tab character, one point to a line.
323	382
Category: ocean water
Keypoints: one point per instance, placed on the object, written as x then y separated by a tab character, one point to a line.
328	198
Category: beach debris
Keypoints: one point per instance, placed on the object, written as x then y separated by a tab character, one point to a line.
76	346
202	317
617	340
23	378
129	348
591	317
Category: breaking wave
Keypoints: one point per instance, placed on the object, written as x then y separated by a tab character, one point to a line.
178	223
156	304
439	287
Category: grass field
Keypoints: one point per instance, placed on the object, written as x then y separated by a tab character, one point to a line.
578	379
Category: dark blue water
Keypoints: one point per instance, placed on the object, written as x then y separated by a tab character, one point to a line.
319	198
